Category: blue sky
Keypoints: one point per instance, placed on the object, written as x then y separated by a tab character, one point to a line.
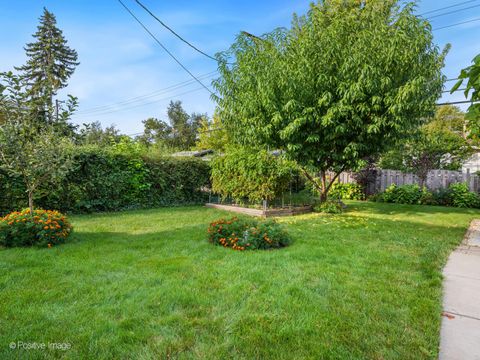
125	77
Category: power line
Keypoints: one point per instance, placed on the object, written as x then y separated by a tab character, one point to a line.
449	91
221	128
453	12
458	102
135	99
448	7
174	32
164	48
108	112
152	94
460	23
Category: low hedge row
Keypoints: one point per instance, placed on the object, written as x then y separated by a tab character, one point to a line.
102	180
457	195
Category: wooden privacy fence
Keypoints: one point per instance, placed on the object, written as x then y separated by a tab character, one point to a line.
436	179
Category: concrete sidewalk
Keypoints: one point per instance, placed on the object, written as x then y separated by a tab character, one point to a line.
460	333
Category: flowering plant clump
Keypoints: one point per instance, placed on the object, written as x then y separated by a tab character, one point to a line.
43	228
247	234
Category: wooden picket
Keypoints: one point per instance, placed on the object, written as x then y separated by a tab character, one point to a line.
436	179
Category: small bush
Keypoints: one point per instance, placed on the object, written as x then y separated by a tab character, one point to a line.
44	228
427	198
461	196
443	196
405	194
346	191
247	234
329	207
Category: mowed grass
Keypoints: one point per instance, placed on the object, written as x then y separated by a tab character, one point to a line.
365	284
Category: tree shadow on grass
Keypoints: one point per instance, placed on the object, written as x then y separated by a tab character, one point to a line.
417	210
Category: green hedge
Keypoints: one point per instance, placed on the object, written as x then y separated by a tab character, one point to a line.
102	180
457	195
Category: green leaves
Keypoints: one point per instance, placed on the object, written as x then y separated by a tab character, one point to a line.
439	144
343	83
472	89
250	174
50	61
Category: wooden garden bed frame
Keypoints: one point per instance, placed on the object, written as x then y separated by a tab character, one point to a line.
263	212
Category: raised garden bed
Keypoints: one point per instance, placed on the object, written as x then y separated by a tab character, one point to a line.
288	211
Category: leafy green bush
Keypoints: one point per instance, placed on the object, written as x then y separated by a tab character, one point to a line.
457	194
247	234
349	191
250	174
428	198
443	197
329	207
44	228
12	193
110	180
461	196
405	194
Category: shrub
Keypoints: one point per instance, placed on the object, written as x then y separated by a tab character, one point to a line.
247	234
110	180
427	198
461	196
44	228
405	194
346	191
443	197
457	194
329	207
250	174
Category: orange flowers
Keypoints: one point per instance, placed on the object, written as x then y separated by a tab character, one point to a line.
42	228
239	234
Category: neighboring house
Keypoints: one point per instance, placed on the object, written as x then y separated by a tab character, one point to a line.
207	154
203	154
472	165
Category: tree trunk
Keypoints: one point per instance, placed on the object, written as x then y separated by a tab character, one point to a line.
322	187
422	181
324	192
30	202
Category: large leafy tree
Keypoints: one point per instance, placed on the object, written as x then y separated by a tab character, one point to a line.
50	64
34	152
155	132
346	81
184	126
94	134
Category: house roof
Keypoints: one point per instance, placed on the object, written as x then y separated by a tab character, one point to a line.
196	153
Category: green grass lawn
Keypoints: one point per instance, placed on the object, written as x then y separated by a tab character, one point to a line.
147	285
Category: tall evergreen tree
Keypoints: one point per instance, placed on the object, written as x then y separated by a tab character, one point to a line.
50	63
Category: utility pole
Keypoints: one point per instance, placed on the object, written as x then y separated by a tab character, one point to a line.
57	108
